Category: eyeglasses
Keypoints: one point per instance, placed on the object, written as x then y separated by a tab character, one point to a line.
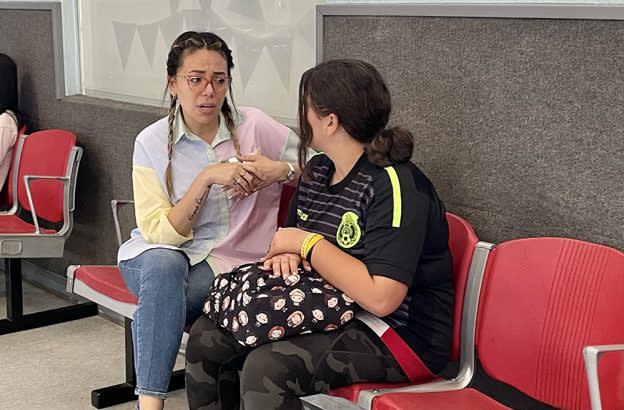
198	83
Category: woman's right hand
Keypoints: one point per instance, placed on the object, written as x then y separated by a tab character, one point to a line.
285	264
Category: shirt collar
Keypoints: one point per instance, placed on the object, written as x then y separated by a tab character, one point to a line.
223	134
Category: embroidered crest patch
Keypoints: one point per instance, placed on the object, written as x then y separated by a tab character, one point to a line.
348	231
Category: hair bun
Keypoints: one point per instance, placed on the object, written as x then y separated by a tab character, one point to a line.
391	146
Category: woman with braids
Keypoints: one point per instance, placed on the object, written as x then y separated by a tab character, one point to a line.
371	224
206	195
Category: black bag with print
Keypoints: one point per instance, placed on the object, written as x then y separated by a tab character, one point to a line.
257	308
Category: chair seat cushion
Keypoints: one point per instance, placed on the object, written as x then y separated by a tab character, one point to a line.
452	400
11	224
106	280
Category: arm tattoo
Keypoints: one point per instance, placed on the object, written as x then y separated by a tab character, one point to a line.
198	203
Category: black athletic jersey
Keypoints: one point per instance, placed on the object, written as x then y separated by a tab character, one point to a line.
392	220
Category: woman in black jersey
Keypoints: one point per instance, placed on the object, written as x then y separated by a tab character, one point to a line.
371	224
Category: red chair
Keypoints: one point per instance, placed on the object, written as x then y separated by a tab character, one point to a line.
543	301
105	286
469	258
44	180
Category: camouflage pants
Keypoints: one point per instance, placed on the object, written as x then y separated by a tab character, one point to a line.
222	374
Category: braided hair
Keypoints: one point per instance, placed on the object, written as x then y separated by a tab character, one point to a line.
191	41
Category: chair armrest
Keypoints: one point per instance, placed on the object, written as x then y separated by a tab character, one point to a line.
325	402
116	205
591	354
468	328
27	180
366	397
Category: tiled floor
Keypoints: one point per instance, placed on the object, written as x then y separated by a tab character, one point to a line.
56	367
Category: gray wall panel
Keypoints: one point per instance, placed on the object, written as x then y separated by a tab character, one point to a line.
518	122
106	130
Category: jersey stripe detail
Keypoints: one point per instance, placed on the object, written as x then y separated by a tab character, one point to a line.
396	195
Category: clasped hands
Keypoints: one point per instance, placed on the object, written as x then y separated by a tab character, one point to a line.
253	173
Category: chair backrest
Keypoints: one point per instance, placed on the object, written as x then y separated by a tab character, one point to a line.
542	301
47	153
282	213
462	243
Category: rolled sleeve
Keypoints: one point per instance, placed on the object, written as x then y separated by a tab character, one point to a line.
151	207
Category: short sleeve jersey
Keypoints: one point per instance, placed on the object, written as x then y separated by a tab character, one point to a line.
392	220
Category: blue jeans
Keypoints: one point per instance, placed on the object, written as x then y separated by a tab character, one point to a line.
171	295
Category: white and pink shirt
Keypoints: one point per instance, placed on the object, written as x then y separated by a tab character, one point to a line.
227	233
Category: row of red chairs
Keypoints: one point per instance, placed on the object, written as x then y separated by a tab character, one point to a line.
40	201
524	312
534	308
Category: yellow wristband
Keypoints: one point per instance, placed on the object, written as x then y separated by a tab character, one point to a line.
308	243
303	246
311	245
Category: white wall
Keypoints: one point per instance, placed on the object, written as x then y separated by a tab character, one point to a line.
124	47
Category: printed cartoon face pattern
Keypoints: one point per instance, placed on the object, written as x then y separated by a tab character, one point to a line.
258	308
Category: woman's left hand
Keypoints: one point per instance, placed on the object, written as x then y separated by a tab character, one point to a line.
286	240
